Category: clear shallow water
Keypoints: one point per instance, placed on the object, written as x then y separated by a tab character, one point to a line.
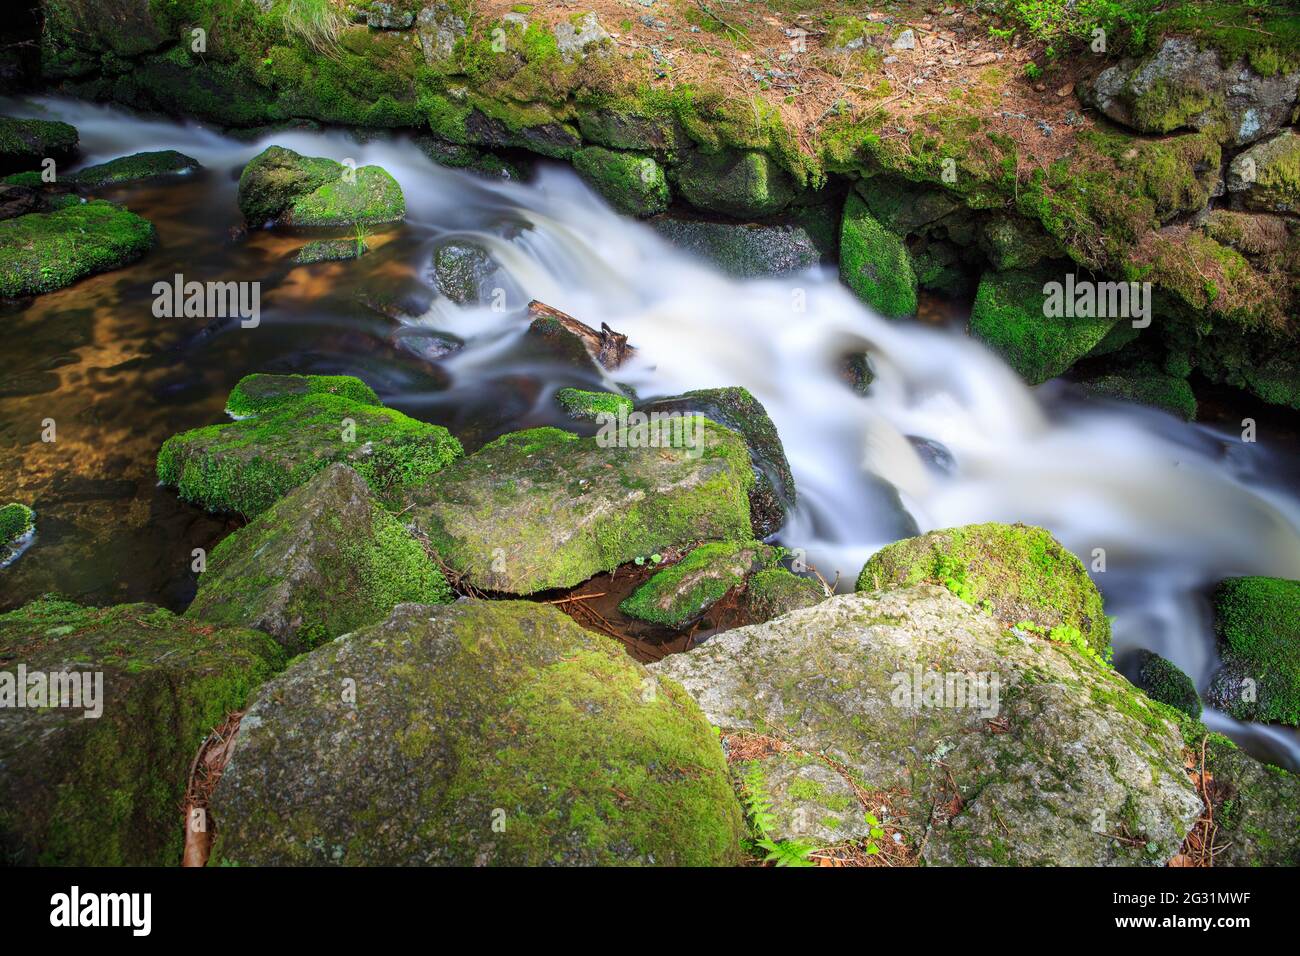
1175	507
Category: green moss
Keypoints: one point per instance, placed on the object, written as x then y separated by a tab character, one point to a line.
1020	571
772	592
32	179
374	198
280	185
137	166
632	184
679	594
25	142
587	406
41	252
741	184
875	263
16	520
1165	682
260	392
1147	384
1258	621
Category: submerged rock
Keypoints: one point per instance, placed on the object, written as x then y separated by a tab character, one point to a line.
247	465
41	252
483	733
322	561
632	184
544	508
681	594
25	143
261	392
329	250
280	186
1257	620
874	262
137	167
1016	773
108	791
1020	572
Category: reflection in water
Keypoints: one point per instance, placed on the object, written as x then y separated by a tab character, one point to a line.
1174	507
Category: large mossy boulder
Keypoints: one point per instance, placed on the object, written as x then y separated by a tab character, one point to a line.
25	143
747	185
874	262
1257	620
108	791
682	593
544	508
280	186
773	493
41	252
482	733
325	559
1041	745
246	466
1010	316
1020	572
136	168
632	184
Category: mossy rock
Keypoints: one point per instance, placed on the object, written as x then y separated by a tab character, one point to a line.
17	522
136	167
1255	806
1266	177
632	184
801	239
490	733
1008	315
262	392
1013	242
588	406
874	262
41	252
809	801
1147	384
543	508
1164	681
329	250
283	187
322	561
747	185
681	594
775	591
1257	620
1020	572
109	791
247	465
461	269
24	143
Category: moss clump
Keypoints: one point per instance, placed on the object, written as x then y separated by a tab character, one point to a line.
262	392
1147	384
322	561
279	185
16	520
680	594
1010	316
25	142
1258	621
874	262
587	406
247	465
41	252
632	184
775	591
330	250
137	166
108	791
1020	572
1164	681
745	185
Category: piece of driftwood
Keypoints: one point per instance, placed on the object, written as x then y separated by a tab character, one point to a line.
607	348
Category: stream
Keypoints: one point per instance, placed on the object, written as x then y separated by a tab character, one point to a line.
947	435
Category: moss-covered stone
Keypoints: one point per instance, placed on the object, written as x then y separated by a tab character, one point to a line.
262	392
809	801
461	268
1255	806
1010	316
41	252
492	733
745	185
1267	176
136	167
1165	681
24	143
633	184
1258	622
802	238
278	185
543	508
330	250
1147	384
874	262
247	465
322	561
1020	572
682	593
587	406
1013	242
771	592
108	791
17	522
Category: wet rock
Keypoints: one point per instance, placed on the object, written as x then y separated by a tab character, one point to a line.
487	733
329	250
1021	572
19	201
632	184
589	406
41	252
1266	177
1255	807
460	270
108	791
1162	680
322	561
874	262
544	508
1257	620
680	594
136	168
935	455
429	344
457	156
747	250
1146	384
555	139
745	185
26	143
810	802
616	129
282	187
1012	777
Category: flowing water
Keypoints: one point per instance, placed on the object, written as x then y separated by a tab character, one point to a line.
946	436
